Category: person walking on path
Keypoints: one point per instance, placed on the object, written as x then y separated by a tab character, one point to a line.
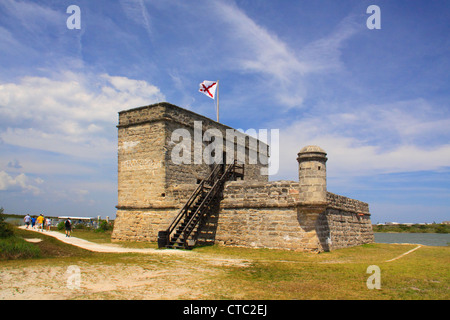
27	220
40	222
68	226
33	222
48	223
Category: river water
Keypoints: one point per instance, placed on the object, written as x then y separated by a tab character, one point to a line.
428	239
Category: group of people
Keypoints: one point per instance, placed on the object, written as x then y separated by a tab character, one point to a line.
40	222
43	223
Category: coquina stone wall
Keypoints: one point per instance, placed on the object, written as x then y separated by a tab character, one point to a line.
151	186
143	224
254	212
270	215
261	215
345	223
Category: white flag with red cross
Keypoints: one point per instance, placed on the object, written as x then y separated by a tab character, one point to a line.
208	88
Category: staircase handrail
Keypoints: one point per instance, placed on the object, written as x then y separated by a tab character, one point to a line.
187	205
211	194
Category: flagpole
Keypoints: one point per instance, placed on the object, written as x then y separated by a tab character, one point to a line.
217	100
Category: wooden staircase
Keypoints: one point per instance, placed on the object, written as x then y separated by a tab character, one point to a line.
184	230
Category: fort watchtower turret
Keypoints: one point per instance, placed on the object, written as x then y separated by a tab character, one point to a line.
312	175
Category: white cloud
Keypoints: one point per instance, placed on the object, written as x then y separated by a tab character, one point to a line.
136	11
31	15
21	182
12	46
38	163
134	88
69	114
74	97
323	55
64	125
263	52
91	147
267	53
397	137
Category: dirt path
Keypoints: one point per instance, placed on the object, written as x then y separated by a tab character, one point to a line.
127	278
154	274
96	247
404	254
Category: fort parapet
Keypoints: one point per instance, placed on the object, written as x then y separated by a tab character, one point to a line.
252	212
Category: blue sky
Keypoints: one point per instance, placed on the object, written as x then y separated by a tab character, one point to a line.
378	101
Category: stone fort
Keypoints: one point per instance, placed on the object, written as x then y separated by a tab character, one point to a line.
183	203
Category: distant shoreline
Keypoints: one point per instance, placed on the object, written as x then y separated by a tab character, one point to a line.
423	238
415	228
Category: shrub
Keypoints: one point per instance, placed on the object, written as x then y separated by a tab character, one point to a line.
104	226
60	225
17	248
80	226
6	230
442	228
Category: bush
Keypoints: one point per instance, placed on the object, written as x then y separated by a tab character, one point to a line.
60	225
104	226
442	228
80	226
17	248
6	230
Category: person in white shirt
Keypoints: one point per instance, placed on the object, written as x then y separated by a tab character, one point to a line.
27	220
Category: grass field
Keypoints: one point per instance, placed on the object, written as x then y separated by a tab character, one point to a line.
341	274
217	272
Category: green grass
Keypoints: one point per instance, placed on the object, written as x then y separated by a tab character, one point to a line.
17	248
277	274
341	274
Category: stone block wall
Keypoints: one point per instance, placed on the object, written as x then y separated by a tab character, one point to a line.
141	224
149	182
144	223
260	215
255	213
270	215
145	148
346	223
141	172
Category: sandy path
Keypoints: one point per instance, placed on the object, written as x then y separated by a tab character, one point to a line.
125	279
96	247
154	275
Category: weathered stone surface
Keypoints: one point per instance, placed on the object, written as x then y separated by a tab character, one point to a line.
255	213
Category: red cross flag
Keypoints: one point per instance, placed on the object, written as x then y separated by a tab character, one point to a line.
208	88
